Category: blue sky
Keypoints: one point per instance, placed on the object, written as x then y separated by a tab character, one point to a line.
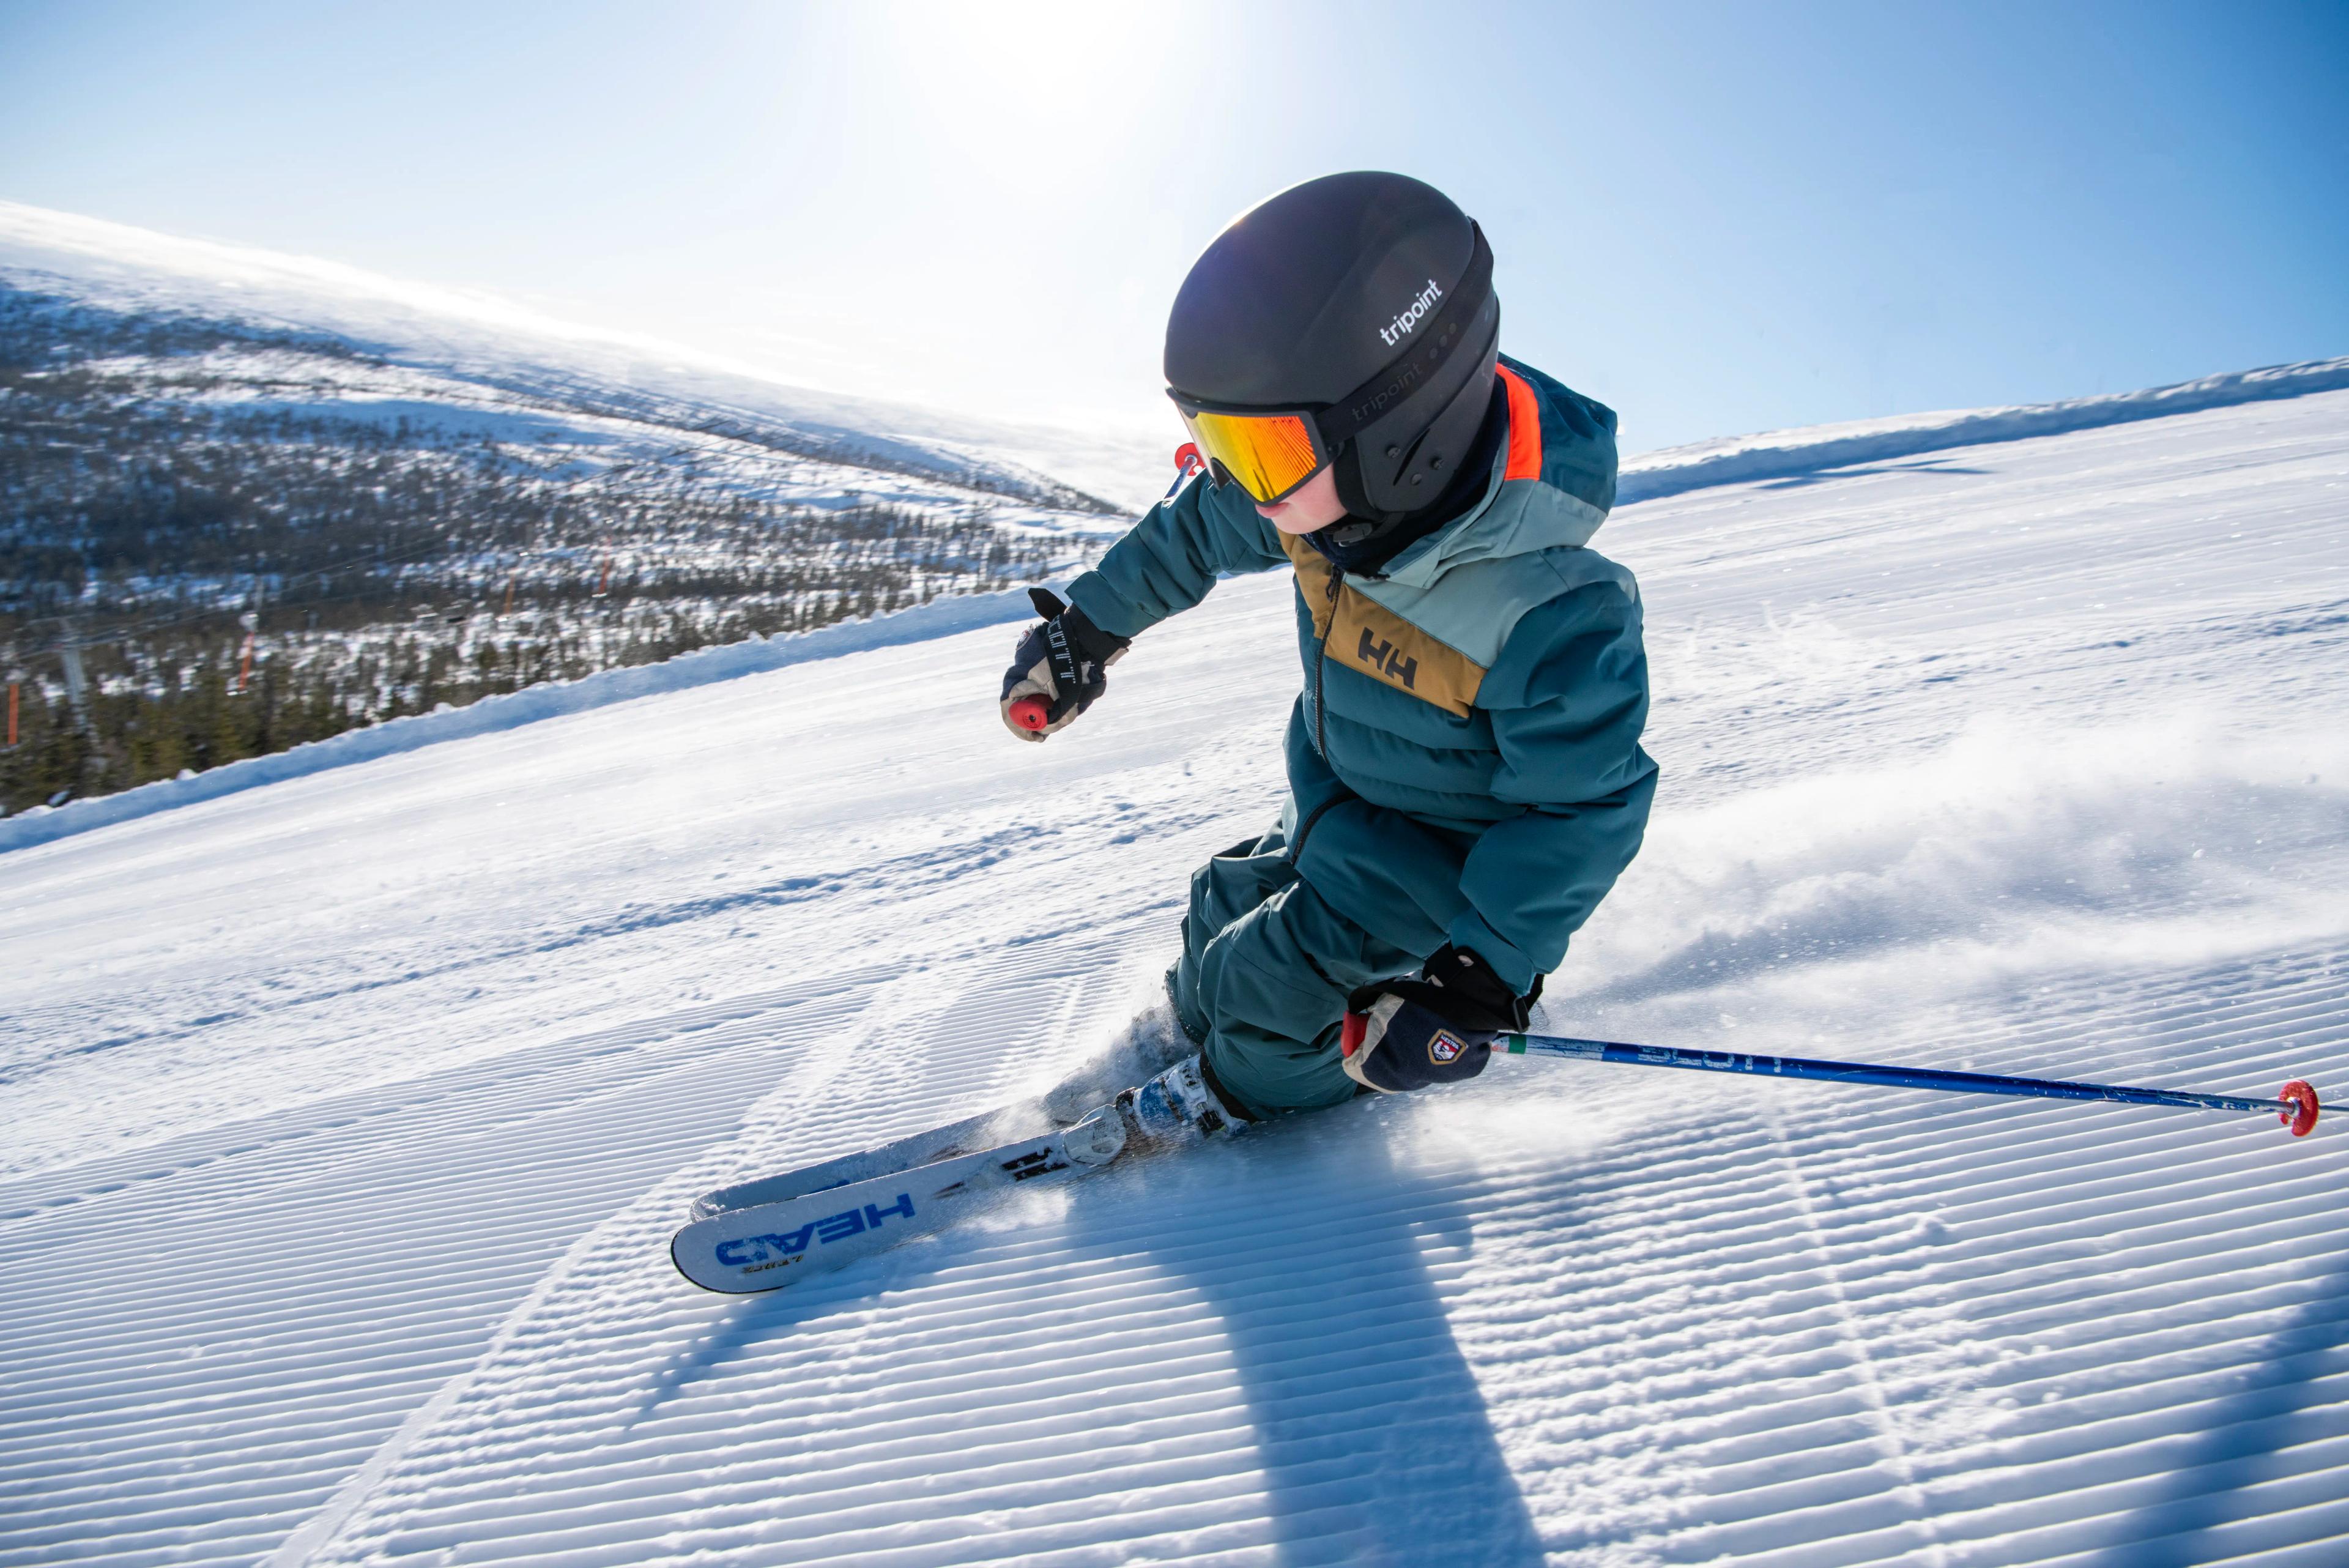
1716	218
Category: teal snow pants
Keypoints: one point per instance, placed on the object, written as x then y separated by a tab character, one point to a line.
1266	969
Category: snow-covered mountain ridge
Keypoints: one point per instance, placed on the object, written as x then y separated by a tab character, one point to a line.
451	348
350	1115
1782	454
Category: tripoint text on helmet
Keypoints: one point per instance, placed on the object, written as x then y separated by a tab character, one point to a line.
1401	326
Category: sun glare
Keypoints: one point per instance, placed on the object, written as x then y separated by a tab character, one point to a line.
1059	81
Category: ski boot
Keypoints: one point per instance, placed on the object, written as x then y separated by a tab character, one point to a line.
1181	1104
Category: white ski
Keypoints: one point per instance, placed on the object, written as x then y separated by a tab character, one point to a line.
970	1136
740	1251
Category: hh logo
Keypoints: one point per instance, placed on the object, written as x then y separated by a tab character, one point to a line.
1382	655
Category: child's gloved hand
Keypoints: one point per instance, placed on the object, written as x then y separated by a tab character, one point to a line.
1404	1034
1058	668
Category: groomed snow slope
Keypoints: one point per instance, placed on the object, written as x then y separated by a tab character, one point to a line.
348	1116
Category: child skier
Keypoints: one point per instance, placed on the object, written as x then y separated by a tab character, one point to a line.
1464	771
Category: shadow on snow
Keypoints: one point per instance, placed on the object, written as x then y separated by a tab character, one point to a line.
1373	1436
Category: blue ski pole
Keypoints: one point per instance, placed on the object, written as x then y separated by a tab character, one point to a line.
2296	1106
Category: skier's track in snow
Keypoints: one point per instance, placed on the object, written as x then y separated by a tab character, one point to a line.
898	875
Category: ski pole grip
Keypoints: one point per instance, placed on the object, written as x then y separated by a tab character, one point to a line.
1031	713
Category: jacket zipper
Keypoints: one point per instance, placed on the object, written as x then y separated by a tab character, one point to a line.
1321	655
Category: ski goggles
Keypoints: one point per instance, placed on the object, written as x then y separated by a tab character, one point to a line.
1268	454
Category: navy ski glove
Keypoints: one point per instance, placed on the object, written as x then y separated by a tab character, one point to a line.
1403	1034
1059	669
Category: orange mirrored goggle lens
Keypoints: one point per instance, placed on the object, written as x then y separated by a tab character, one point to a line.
1269	454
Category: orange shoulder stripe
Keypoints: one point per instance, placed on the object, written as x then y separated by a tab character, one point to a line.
1525	427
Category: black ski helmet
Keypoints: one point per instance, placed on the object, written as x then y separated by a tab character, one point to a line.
1367	296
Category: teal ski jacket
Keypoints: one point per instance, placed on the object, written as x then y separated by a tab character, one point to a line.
1464	760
